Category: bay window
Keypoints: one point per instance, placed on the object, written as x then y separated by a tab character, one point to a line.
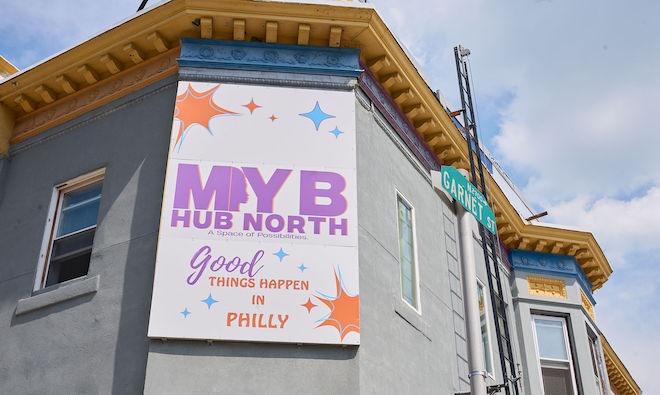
554	355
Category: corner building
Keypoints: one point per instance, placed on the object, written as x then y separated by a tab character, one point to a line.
236	197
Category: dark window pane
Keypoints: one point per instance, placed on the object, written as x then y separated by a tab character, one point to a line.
72	245
557	381
71	267
70	257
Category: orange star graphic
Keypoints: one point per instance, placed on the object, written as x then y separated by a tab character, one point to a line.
272	118
194	107
344	311
309	305
251	106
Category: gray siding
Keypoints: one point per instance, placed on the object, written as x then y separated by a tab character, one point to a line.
94	343
402	351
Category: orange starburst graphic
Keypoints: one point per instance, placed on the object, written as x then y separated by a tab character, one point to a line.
309	305
194	107
251	106
344	310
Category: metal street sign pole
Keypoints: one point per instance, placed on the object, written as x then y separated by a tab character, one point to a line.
475	348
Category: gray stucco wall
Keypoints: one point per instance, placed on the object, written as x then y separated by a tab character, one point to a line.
402	351
96	342
89	335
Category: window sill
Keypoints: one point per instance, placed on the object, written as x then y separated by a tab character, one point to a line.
412	317
66	291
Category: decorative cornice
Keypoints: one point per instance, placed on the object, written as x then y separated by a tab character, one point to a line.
269	57
148	34
516	233
588	306
6	68
621	380
6	128
544	263
267	78
543	286
399	122
95	96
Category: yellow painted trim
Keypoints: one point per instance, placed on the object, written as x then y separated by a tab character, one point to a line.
6	128
519	234
543	286
586	303
95	96
6	68
621	380
123	49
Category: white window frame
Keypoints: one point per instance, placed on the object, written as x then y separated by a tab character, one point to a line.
488	357
54	216
596	352
567	343
417	302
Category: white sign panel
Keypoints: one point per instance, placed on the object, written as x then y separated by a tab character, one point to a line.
258	234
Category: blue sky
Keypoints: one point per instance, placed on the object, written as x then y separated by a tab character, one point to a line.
566	94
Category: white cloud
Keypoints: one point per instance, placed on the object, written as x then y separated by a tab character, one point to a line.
584	85
620	226
33	30
570	90
628	313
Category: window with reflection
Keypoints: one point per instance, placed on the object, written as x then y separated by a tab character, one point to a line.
556	363
407	258
72	225
485	330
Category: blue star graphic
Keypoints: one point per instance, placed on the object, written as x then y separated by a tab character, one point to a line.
317	115
281	254
336	132
186	313
302	267
209	301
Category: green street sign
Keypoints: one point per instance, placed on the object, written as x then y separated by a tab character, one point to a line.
468	196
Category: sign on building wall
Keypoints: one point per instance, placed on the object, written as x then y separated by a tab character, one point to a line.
467	195
258	234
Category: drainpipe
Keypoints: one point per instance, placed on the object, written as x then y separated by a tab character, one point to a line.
475	347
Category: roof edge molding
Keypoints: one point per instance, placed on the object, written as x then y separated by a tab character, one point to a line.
619	377
257	56
36	99
552	264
